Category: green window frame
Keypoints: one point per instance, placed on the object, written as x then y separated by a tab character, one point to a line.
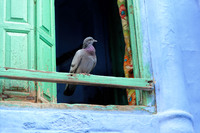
143	81
141	69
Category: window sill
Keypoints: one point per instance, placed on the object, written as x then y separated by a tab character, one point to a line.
92	107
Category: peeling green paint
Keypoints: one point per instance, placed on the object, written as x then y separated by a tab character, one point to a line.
141	68
93	80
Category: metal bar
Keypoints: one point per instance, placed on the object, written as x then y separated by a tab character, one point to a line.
79	79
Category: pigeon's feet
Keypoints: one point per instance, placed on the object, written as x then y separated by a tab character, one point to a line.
85	74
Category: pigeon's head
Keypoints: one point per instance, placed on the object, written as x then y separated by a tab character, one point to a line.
88	41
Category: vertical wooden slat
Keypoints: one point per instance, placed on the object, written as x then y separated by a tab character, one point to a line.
133	40
141	69
46	59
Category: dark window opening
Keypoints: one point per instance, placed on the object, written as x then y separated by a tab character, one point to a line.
100	19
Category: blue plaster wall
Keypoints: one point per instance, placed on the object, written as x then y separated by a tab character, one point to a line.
171	29
74	121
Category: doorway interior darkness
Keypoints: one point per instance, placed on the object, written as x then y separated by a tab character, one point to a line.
100	19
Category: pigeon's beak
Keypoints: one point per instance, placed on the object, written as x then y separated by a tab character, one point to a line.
94	40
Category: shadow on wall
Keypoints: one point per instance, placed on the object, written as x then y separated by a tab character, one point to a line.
76	20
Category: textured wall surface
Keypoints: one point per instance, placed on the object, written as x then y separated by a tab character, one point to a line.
171	29
74	121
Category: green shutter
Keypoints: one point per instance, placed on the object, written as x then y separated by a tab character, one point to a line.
17	46
27	41
46	47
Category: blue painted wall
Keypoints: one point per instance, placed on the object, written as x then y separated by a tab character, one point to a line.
74	121
171	30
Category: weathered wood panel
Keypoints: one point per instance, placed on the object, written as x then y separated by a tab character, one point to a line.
46	56
17	43
92	80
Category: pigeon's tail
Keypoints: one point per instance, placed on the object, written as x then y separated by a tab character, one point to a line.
69	90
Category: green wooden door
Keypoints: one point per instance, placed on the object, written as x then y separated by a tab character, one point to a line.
46	47
17	46
27	42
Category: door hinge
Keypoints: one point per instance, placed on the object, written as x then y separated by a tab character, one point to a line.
4	96
30	98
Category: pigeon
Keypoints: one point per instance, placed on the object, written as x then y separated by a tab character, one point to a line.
83	62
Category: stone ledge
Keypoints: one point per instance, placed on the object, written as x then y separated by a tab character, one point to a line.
141	109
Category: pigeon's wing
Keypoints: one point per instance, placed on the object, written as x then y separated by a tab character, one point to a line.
69	89
76	61
95	62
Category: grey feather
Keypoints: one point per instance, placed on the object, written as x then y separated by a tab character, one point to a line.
84	61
